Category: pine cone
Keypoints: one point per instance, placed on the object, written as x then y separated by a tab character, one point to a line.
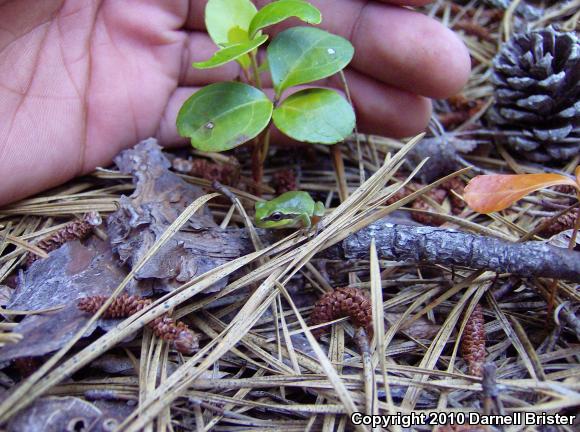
343	302
183	338
284	181
536	78
458	186
400	194
438	195
563	223
122	307
473	342
76	230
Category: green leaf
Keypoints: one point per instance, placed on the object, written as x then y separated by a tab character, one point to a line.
315	115
231	52
224	115
301	55
280	10
229	20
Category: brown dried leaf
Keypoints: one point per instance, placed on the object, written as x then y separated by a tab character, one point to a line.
495	192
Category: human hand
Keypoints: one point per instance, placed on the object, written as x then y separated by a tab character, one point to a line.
81	80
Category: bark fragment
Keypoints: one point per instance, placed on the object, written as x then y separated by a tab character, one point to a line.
159	198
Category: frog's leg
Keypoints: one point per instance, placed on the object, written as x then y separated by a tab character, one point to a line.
305	221
319	211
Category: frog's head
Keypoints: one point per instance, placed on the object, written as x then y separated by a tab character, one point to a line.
271	215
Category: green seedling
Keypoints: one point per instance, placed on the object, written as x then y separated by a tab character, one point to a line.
225	115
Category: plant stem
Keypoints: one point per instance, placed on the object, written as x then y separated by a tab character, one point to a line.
356	134
265	144
257	166
262	142
339	170
256	71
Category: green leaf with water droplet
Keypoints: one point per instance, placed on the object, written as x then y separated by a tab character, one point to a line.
301	55
225	115
315	115
280	10
228	21
231	52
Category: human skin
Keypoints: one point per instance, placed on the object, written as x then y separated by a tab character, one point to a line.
80	80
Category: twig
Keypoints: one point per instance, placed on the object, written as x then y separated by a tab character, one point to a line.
362	340
339	170
491	400
570	317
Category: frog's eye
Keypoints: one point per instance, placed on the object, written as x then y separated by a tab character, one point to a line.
276	216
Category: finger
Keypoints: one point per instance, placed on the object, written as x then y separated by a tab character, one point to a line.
167	131
410	51
386	110
199	47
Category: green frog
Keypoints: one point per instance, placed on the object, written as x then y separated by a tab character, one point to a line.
295	209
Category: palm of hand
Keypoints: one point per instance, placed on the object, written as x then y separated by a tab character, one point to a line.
80	80
95	79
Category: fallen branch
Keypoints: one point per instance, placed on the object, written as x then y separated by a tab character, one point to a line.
456	248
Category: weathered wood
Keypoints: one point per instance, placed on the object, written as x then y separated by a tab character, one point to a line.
449	247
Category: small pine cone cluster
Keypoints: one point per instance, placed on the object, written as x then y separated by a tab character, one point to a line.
536	77
565	189
183	338
563	223
284	181
473	342
76	230
438	195
340	303
224	173
122	307
458	186
399	195
474	29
